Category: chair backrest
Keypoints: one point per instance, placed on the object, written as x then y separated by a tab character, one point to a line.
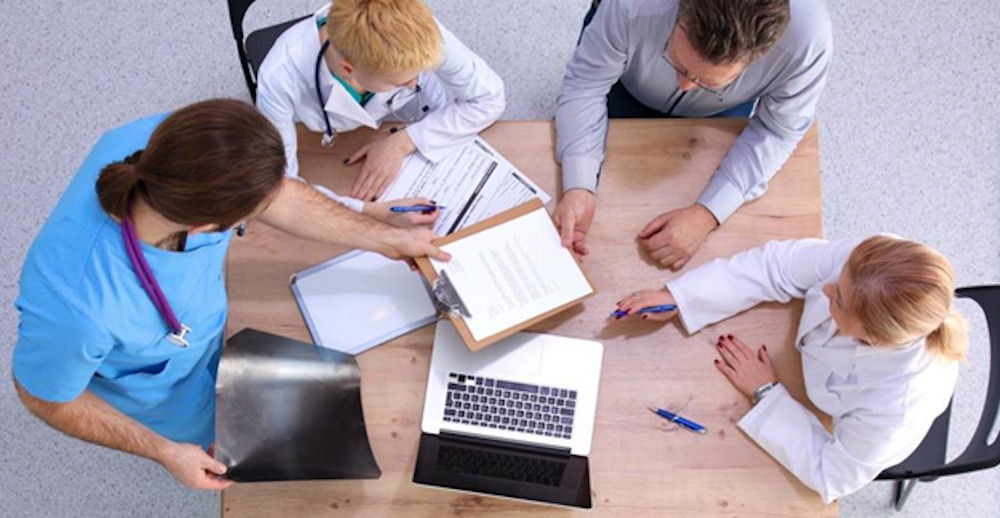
980	453
238	10
928	460
253	48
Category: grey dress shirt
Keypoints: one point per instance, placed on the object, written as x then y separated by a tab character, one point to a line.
626	40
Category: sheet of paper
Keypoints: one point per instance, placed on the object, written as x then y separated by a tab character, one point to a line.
512	273
358	300
473	183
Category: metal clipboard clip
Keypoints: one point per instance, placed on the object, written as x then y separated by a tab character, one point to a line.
446	299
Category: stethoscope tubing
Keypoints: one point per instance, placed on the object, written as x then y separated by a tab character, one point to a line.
148	280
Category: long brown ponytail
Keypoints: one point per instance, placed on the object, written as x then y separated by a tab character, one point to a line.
211	162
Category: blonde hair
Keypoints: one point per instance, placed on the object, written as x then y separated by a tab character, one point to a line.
903	290
385	36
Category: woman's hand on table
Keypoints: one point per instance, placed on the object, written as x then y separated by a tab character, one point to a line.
746	370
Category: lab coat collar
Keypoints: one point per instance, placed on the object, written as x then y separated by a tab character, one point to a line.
341	104
839	353
842	353
815	311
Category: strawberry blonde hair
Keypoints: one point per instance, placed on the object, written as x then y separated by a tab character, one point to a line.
385	36
904	290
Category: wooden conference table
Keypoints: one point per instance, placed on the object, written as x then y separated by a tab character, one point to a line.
637	467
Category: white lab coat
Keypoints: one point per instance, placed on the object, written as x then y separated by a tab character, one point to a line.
882	400
463	94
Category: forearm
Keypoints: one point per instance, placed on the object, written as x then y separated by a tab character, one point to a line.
302	211
747	168
91	419
834	464
779	271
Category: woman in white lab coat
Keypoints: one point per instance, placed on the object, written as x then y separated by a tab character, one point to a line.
879	341
361	62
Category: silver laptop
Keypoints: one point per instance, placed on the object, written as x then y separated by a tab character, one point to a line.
515	419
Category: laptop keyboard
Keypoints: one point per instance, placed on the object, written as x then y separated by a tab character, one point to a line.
475	461
507	405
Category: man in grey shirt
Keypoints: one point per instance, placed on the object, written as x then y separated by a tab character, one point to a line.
690	58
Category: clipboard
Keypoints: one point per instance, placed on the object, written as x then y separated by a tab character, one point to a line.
359	300
449	301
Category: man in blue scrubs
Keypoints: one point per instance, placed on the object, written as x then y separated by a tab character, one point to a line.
94	356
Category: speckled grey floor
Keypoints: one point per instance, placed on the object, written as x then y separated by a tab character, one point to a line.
910	128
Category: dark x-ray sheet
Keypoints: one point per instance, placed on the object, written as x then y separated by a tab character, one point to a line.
288	410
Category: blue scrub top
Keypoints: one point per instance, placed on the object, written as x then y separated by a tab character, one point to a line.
88	324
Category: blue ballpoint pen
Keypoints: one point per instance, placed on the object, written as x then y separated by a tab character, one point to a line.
684	423
618	313
415	208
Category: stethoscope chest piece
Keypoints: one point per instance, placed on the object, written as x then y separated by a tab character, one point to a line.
178	338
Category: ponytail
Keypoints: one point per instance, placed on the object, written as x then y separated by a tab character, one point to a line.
117	185
950	339
904	290
213	162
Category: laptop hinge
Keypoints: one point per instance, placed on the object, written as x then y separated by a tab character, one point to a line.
506	443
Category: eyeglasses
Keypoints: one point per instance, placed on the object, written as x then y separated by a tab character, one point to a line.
407	105
718	91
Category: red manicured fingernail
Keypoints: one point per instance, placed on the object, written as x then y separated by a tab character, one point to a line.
718	346
644	317
715	362
729	337
345	161
764	347
721	337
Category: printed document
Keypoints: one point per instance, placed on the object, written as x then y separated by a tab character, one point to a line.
512	272
472	183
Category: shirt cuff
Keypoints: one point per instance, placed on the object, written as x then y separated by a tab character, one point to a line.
680	300
754	421
580	172
721	197
352	203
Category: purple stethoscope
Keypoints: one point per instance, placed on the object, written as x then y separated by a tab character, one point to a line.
177	330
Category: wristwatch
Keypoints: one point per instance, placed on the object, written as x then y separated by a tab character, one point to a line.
761	392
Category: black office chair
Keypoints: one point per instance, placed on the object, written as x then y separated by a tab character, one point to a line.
254	47
927	463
